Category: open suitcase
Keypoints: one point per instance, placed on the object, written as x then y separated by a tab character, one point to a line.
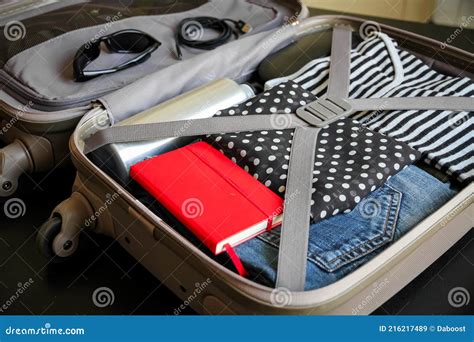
40	104
100	203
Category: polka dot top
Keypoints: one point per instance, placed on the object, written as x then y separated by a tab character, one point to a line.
350	162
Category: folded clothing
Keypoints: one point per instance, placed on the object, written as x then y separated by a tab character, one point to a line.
350	161
444	138
334	250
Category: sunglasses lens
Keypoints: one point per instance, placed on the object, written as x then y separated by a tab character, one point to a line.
129	42
125	41
83	57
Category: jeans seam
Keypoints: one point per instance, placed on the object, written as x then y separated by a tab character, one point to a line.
393	207
388	228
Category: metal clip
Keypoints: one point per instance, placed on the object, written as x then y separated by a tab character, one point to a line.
324	111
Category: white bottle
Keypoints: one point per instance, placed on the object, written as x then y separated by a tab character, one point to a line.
199	103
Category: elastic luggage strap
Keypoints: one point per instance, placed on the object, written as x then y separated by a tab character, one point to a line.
291	272
292	255
451	103
215	125
327	110
340	66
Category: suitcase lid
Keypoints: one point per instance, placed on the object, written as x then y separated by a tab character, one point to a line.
37	52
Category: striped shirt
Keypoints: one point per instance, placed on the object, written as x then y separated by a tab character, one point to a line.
444	138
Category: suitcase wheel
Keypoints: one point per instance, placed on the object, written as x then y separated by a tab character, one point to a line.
58	237
50	249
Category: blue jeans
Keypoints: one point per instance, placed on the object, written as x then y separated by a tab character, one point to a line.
342	243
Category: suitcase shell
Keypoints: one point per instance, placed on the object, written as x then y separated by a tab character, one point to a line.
210	288
35	126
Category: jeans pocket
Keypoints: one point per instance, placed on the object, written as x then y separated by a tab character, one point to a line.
343	239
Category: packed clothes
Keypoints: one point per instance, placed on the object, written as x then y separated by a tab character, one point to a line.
445	138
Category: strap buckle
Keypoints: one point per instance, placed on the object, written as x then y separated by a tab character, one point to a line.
324	111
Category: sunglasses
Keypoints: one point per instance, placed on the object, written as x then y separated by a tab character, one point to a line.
124	41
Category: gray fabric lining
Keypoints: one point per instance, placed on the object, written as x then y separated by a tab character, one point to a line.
45	70
235	60
24	11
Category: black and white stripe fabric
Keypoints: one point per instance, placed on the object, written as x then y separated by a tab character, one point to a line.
444	138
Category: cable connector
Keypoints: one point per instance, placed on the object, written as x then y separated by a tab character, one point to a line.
243	27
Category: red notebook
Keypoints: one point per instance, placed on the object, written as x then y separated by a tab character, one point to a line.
212	196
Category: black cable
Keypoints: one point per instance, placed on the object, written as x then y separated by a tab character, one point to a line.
191	30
